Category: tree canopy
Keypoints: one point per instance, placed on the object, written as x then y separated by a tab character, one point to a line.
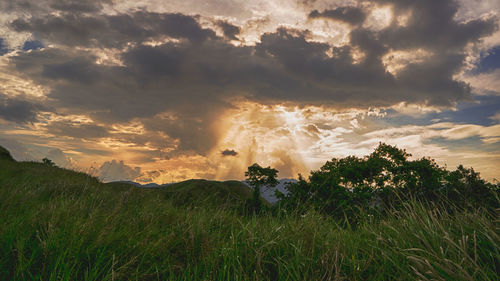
343	187
258	176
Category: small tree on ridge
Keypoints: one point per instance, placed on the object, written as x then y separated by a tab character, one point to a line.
257	177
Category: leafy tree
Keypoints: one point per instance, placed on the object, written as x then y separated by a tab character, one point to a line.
465	187
383	180
257	177
302	195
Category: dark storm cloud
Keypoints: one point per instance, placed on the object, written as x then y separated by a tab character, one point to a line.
3	49
76	70
180	88
229	152
155	61
83	131
350	15
78	5
40	6
432	25
32	45
230	31
112	31
69	29
436	75
334	80
17	110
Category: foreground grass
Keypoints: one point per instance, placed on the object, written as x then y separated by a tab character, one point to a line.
61	225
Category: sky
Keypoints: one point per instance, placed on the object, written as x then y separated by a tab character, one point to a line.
161	91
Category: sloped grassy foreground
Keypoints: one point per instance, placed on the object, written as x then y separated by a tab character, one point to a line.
57	224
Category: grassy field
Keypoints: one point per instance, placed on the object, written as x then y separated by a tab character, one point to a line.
57	224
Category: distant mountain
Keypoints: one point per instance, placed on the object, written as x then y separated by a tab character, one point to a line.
195	191
268	192
148	185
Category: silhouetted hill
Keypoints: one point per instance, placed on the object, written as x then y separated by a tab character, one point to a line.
190	192
203	186
148	185
5	154
195	191
200	190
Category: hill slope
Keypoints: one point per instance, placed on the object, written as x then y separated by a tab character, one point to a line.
13	173
196	191
57	224
5	154
199	190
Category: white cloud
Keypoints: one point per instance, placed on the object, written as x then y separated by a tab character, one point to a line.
485	83
118	171
496	117
60	158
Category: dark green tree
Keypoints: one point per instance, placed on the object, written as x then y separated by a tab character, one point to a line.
466	188
48	162
257	177
384	180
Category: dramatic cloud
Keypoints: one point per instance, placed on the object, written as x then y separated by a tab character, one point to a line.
350	15
39	6
229	152
3	48
75	130
112	31
161	81
17	110
486	82
230	31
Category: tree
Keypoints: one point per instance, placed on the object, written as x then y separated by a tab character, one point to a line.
384	180
48	162
345	186
257	177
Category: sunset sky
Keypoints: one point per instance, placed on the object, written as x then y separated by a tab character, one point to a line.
160	91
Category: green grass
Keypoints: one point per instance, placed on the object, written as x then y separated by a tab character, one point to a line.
57	224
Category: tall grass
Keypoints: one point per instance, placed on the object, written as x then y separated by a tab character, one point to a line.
57	225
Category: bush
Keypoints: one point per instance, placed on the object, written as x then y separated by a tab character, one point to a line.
48	162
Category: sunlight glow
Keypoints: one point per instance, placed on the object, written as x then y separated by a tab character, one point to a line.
379	18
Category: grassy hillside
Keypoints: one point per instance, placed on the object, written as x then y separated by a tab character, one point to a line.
197	192
57	224
207	192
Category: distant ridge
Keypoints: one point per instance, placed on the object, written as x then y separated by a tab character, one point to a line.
267	193
194	191
187	190
148	185
189	193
